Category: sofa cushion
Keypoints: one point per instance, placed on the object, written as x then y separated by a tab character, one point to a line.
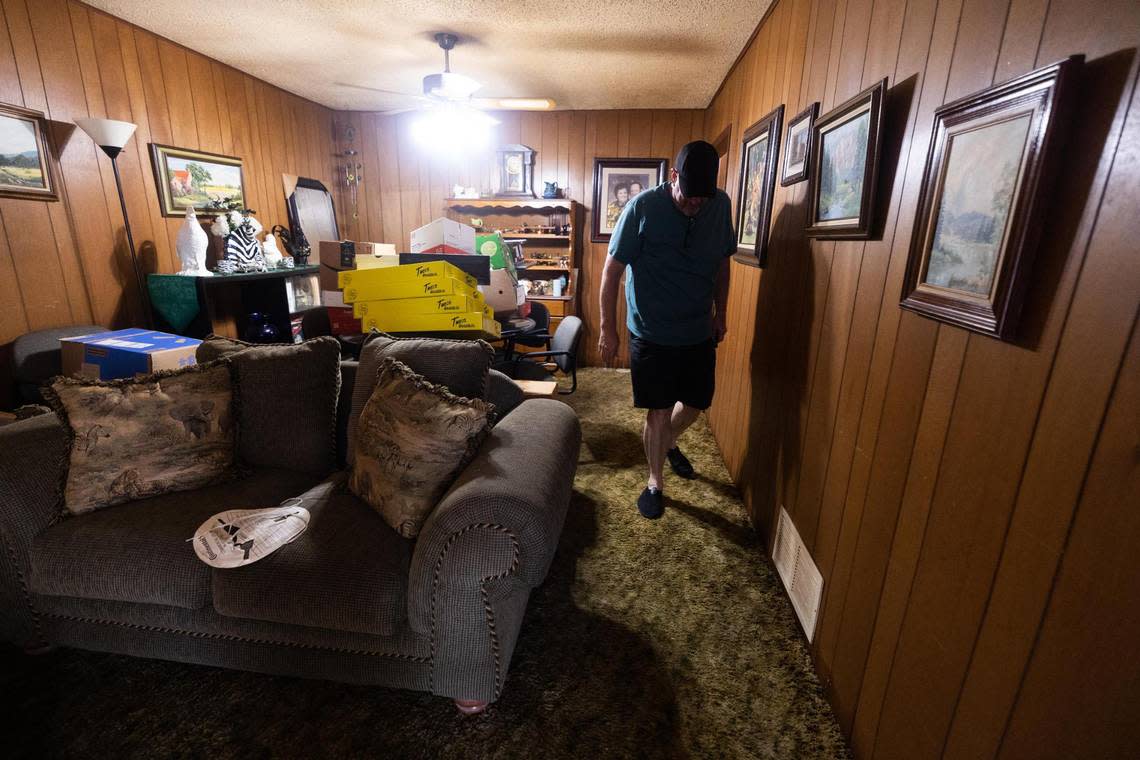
141	437
412	439
137	552
288	392
348	571
461	366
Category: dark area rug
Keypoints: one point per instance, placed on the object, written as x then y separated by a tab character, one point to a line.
667	639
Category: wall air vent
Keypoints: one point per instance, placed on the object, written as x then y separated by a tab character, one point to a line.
801	578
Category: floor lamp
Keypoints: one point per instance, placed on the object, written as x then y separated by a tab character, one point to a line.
111	136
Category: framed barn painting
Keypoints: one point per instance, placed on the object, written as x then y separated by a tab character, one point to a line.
759	158
195	178
797	146
26	159
983	192
845	147
616	182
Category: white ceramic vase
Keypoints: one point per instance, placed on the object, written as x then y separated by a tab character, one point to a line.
191	245
271	252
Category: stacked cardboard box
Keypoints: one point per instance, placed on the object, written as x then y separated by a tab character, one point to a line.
337	256
431	297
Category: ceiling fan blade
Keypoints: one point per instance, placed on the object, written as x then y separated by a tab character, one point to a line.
381	91
514	104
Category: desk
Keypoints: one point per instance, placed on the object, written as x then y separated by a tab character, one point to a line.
196	306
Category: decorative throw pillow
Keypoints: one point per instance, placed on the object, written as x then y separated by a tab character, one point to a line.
132	439
412	440
288	394
460	366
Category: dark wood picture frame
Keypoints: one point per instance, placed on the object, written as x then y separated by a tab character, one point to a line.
524	156
809	115
162	179
307	211
770	125
1045	98
45	156
600	203
857	226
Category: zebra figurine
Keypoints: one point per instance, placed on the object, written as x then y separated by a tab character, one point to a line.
244	250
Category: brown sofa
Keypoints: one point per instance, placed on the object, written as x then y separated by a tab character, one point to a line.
349	600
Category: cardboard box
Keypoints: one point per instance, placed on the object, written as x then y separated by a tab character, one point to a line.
477	266
415	288
126	353
424	271
476	323
341	255
504	294
429	305
444	236
332	298
341	321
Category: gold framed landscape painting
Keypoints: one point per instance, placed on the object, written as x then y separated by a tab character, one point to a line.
981	210
195	178
25	155
759	156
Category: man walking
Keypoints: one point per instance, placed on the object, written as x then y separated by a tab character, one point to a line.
673	242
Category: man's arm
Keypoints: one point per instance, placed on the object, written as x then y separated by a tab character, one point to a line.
720	320
608	334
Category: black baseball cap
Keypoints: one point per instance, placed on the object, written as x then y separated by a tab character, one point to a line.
696	167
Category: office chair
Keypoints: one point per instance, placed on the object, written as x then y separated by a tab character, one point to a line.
563	351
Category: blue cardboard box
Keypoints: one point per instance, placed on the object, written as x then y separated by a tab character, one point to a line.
126	353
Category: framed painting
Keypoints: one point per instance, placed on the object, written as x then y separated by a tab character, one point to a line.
845	146
27	164
616	181
759	157
797	146
981	202
195	178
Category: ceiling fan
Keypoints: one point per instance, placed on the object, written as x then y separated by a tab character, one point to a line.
448	87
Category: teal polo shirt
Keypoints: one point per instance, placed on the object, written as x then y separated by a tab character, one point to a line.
672	263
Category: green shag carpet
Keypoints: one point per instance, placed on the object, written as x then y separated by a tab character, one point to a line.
650	639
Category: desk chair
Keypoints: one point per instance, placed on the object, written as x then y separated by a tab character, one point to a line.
563	351
540	336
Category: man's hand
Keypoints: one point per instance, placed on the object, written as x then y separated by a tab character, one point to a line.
720	327
608	344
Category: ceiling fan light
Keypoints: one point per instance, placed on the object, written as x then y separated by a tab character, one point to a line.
450	86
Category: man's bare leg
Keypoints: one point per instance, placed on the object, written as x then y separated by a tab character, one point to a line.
682	417
656	436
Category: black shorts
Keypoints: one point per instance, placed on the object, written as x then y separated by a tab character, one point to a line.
664	375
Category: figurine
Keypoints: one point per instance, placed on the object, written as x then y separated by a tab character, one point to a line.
271	252
191	244
239	229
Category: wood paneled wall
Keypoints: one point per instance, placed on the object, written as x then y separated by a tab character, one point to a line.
405	186
67	262
970	503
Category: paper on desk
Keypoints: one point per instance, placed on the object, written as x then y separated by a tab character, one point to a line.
240	537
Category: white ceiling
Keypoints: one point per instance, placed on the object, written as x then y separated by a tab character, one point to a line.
582	53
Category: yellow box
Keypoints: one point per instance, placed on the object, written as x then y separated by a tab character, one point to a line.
475	322
430	270
413	288
428	305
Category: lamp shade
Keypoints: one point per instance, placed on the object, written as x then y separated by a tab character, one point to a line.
108	134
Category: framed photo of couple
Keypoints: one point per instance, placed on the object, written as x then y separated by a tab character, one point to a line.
616	181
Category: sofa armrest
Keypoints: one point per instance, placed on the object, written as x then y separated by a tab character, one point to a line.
502	517
33	464
32	469
503	392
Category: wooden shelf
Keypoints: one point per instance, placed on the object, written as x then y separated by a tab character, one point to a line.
540	265
532	236
540	204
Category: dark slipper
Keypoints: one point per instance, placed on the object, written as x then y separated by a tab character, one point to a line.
651	503
680	463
